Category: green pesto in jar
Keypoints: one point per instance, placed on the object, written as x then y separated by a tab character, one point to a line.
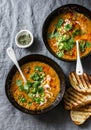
24	39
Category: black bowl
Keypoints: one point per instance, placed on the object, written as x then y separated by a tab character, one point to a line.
54	14
25	60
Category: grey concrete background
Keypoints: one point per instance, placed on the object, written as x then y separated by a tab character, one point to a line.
30	14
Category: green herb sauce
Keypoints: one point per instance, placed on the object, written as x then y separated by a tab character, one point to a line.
24	39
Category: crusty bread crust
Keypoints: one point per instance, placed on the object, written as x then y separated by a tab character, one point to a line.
80	115
81	83
74	99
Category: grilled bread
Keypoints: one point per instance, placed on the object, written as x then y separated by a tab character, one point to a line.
74	99
80	115
81	83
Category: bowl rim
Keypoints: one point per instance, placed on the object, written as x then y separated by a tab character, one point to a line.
72	6
19	33
21	62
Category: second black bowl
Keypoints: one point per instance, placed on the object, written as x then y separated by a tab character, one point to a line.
53	15
25	60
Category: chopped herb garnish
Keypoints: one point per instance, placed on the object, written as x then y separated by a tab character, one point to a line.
21	88
76	32
38	68
60	22
29	103
56	35
42	95
23	100
31	95
34	90
68	27
82	45
35	76
40	89
18	82
26	87
42	75
60	54
67	46
60	45
88	44
65	37
37	100
53	35
71	41
42	99
29	83
36	83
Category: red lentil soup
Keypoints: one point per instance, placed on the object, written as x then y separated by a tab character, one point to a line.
41	89
63	32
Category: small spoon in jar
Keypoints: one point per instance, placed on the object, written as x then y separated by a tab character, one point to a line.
79	68
12	56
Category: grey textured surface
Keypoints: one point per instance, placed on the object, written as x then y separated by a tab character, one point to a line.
30	14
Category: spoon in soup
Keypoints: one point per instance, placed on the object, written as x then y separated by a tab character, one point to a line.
79	68
12	56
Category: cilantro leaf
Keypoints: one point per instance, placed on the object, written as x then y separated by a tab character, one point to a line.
68	27
76	32
88	44
35	76
39	68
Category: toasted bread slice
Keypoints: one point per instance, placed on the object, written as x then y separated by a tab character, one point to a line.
81	83
74	99
80	115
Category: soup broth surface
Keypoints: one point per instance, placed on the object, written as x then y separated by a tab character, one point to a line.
63	32
41	89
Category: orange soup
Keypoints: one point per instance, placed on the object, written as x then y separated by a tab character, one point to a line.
41	89
63	32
